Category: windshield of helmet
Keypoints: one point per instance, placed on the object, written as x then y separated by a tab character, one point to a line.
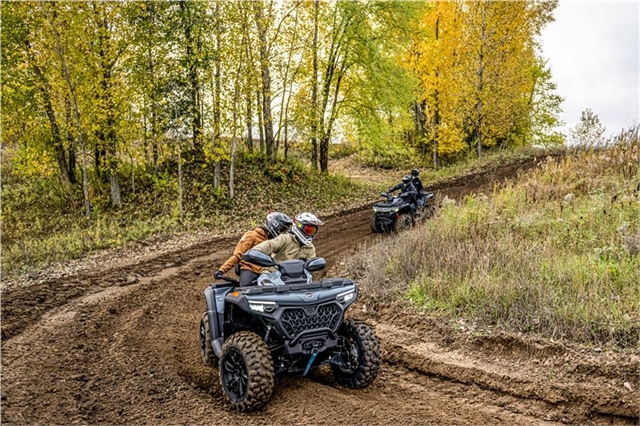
307	229
282	227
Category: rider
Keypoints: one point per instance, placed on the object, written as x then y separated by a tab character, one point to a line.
415	180
295	244
407	191
275	224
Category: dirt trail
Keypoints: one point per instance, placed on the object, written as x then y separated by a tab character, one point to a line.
119	344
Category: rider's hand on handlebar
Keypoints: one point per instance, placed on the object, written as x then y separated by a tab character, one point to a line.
218	274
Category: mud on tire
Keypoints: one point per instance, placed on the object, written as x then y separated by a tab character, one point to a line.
403	223
374	226
361	351
209	358
246	371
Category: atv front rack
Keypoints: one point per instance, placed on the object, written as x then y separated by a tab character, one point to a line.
335	282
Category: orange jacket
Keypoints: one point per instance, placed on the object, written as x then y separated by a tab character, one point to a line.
248	240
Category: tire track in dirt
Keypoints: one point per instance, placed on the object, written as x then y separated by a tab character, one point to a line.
98	348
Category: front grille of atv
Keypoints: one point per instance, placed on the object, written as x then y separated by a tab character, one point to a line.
298	320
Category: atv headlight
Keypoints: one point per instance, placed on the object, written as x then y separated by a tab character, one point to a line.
345	297
386	209
260	306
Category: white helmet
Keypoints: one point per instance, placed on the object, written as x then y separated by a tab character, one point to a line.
305	226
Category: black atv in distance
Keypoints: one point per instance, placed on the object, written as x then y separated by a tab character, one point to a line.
396	214
285	323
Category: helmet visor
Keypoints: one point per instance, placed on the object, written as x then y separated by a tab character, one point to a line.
309	230
282	227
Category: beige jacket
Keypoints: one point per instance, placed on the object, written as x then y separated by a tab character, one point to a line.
286	247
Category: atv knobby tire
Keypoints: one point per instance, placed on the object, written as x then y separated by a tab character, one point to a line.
374	226
246	371
403	222
209	358
366	348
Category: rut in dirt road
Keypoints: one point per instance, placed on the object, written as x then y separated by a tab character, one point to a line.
120	345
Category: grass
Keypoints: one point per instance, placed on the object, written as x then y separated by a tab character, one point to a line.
42	224
555	253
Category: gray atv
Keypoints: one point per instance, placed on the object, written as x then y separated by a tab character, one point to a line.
285	323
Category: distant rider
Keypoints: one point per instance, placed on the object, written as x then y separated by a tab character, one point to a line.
415	180
275	224
407	191
295	244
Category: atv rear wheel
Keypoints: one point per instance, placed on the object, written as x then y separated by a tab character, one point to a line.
246	371
209	358
359	351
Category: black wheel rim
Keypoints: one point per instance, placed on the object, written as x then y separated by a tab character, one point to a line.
350	355
234	375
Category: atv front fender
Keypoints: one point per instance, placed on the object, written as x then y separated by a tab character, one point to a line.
215	314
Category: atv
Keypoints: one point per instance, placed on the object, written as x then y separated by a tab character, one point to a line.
396	214
286	322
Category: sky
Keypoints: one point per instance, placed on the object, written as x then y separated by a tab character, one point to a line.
593	51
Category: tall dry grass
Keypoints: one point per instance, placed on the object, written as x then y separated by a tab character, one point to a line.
552	253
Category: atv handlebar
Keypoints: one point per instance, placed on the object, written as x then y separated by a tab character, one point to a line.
229	280
387	195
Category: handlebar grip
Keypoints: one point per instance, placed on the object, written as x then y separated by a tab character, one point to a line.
228	280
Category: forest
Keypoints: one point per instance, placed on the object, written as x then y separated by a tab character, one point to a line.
153	106
105	90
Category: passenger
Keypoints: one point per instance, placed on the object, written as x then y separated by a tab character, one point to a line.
295	244
407	191
415	180
275	224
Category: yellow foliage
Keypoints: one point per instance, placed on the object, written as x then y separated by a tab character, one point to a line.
474	60
33	162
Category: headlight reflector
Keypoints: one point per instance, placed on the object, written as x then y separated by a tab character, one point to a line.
261	306
346	296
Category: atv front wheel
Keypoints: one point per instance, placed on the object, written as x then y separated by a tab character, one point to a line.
359	352
374	226
209	358
246	371
403	222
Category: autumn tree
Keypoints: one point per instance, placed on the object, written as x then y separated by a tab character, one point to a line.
545	105
32	90
477	72
355	79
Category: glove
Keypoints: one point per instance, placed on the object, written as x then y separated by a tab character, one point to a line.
218	274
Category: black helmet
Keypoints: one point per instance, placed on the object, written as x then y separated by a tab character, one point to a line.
277	223
406	179
415	172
